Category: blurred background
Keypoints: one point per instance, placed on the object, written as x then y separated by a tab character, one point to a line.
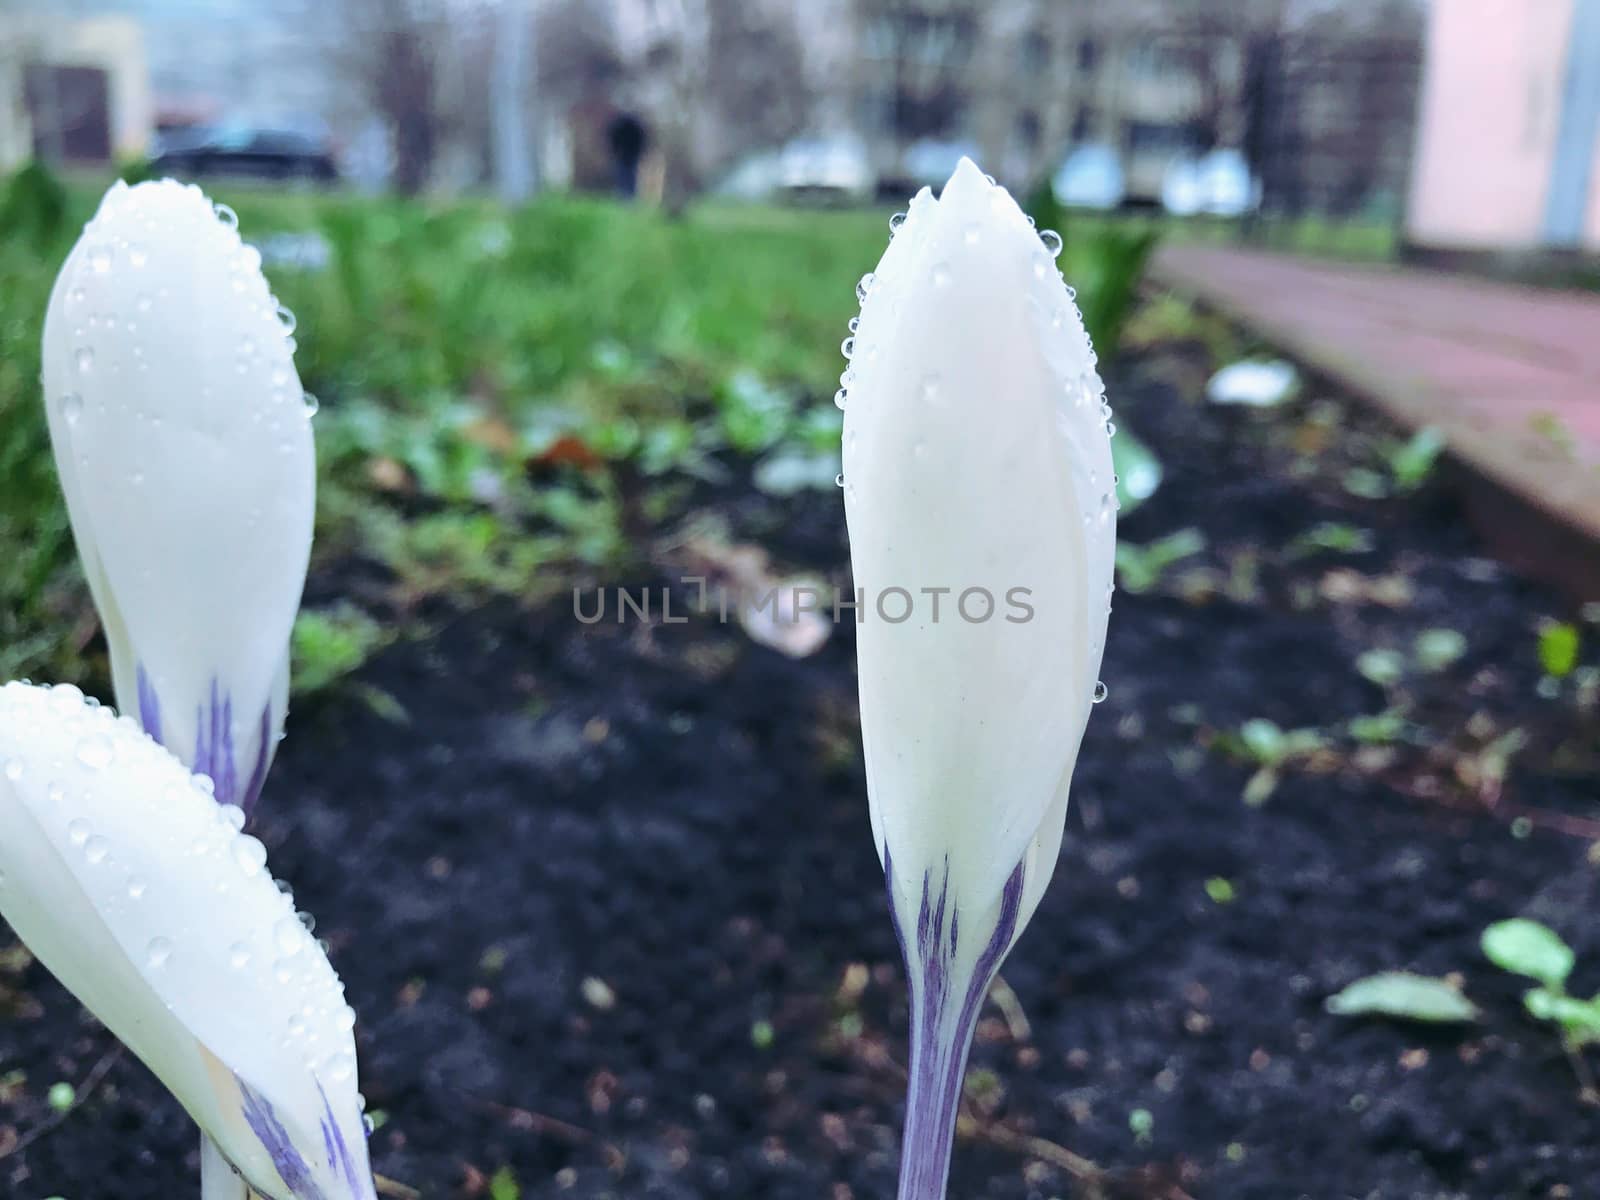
570	278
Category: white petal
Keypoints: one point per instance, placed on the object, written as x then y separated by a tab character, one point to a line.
125	878
976	457
185	453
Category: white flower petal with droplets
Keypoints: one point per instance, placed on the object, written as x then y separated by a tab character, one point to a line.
184	448
976	457
125	878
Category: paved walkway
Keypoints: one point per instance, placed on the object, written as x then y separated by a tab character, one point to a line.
1510	374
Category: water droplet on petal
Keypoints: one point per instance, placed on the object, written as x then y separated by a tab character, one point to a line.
96	849
239	956
838	480
971	233
1052	241
312	404
249	854
95	752
136	887
78	831
864	287
1100	691
158	951
13	769
290	937
855	324
72	407
137	255
341	1066
286	319
930	388
227	216
100	259
895	222
83	358
848	347
941	274
1111	430
840	397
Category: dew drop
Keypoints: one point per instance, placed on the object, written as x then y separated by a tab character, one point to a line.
75	295
930	388
971	233
855	324
1111	430
136	888
100	259
345	1018
848	347
941	274
232	815
72	407
13	770
286	319
96	849
158	951
249	854
1100	691
1052	241
289	936
895	222
864	287
838	480
55	793
920	450
83	358
95	752
137	255
144	302
78	831
239	956
341	1066
840	397
227	216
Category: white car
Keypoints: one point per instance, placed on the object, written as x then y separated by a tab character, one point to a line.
1091	177
831	167
1218	184
928	163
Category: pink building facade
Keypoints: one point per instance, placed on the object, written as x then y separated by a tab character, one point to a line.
1508	136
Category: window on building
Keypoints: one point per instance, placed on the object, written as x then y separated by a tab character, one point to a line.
1088	54
1034	52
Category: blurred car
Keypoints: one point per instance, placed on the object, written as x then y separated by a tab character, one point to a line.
928	162
826	168
754	177
245	152
1217	184
1091	177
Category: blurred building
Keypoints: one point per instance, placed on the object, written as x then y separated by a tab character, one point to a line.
1508	150
72	89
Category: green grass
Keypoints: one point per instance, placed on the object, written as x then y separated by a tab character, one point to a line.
506	396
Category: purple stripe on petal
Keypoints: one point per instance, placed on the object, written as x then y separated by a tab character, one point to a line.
149	705
258	773
339	1156
291	1166
941	1037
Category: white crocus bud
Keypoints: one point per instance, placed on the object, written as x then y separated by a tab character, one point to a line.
982	515
124	878
181	437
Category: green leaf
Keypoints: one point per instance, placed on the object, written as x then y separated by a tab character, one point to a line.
1413	462
1263	739
1526	947
1558	649
1405	995
1382	667
504	1186
1437	648
1137	468
1139	568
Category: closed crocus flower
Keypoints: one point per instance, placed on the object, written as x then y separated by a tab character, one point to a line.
981	508
126	879
182	441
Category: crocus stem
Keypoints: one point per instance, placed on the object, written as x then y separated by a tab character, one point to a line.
944	1014
218	1180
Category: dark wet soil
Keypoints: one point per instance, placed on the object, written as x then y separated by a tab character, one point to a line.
608	906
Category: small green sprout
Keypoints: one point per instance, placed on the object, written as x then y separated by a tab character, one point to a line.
503	1186
1525	947
1405	996
1142	1124
1139	568
762	1035
1220	890
61	1096
1558	649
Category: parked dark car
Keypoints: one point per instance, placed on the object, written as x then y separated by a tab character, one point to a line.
245	153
